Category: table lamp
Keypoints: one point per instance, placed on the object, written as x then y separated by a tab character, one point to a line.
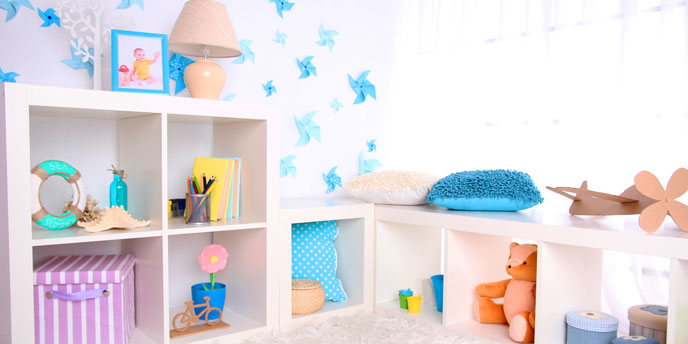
203	29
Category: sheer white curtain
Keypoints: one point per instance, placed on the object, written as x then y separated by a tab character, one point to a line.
565	90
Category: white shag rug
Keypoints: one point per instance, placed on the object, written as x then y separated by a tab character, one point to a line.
363	329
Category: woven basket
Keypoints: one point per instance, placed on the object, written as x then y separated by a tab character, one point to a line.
307	296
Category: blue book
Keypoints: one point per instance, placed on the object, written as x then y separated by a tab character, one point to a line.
234	198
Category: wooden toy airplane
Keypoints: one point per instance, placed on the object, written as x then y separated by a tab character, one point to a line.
588	202
646	197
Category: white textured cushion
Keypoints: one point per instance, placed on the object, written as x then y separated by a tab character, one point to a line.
392	187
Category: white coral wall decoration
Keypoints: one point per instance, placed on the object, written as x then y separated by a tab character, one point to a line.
89	23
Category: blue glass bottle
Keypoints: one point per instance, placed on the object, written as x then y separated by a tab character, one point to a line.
118	190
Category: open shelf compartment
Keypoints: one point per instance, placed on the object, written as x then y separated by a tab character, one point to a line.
148	272
245	277
353	247
189	137
405	256
105	138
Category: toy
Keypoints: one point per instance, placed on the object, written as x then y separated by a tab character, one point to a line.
518	310
403	295
190	316
112	217
646	197
39	214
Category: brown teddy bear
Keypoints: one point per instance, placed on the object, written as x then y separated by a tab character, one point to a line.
518	292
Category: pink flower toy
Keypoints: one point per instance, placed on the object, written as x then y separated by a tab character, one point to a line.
212	259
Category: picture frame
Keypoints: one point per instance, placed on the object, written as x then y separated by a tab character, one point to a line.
140	62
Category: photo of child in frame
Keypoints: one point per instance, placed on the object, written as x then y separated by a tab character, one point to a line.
139	62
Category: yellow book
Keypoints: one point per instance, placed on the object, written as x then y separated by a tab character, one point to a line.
217	168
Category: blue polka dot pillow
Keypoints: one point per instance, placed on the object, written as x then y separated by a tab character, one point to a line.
313	256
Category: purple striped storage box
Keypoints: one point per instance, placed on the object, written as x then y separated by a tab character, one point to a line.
84	299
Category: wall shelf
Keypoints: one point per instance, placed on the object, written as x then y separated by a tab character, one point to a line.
155	139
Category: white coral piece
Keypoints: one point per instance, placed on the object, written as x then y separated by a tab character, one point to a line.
112	217
89	23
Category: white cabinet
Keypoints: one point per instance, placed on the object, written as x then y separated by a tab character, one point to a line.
409	248
155	139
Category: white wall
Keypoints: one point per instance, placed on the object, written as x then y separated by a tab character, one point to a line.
365	42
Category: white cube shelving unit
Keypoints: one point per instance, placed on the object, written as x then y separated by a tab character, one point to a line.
155	139
409	248
354	245
381	249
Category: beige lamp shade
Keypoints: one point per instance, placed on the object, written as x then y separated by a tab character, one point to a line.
204	24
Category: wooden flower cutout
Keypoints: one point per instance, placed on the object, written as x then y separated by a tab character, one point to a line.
652	217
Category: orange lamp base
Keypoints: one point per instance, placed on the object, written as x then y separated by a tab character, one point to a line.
205	79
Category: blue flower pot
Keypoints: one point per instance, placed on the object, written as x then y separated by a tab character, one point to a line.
217	298
438	286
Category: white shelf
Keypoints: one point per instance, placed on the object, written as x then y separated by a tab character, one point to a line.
549	222
177	226
328	310
75	235
569	260
147	136
240	326
139	337
495	333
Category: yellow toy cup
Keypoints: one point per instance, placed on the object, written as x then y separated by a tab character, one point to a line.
414	303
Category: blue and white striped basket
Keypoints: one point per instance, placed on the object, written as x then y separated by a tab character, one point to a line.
589	327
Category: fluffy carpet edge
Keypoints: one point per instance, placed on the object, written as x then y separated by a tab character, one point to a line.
363	328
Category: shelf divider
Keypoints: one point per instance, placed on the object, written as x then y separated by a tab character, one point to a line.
677	331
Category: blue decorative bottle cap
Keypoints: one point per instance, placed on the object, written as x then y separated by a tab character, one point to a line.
406	292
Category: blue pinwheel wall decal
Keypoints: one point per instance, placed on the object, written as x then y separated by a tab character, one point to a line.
282	5
230	97
49	17
246	52
362	87
332	179
287	166
128	3
269	88
7	77
371	145
367	165
336	104
279	38
307	129
13	6
326	37
306	66
79	61
178	64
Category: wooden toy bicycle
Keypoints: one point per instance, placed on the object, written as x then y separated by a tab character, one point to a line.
189	316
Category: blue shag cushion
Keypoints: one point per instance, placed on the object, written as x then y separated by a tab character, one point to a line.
313	256
486	190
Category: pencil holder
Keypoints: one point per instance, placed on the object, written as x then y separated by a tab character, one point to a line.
197	209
